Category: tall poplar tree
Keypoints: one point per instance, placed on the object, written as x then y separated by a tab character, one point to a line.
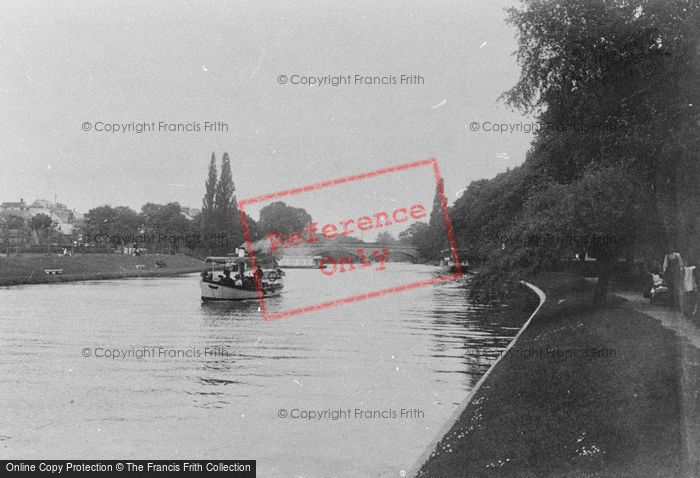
208	201
225	206
438	230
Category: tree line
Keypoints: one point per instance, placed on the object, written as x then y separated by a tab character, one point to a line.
619	177
215	230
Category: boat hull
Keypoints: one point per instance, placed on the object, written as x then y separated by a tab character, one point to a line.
451	268
212	291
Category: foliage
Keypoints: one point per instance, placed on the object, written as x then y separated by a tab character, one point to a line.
165	228
207	217
385	238
166	223
15	222
113	224
226	215
43	225
419	235
487	209
408	235
280	218
615	87
41	222
429	239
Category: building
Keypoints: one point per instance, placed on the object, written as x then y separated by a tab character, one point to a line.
14	208
15	232
10	211
61	215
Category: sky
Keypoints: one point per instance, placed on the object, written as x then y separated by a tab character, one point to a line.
69	63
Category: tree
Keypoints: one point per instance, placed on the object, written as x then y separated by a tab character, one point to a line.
112	225
253	228
280	218
613	83
126	223
223	195
226	214
12	226
619	83
166	225
419	235
43	225
595	214
41	222
15	222
385	238
407	236
207	218
488	208
98	221
431	248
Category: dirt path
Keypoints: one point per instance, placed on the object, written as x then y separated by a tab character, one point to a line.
668	317
689	334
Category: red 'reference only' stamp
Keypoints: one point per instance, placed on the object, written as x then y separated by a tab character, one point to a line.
374	258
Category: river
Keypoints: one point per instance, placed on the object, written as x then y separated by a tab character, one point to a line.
217	382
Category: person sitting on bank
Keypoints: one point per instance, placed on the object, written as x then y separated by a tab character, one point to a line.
647	278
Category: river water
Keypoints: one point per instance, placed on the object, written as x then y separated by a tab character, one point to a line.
216	381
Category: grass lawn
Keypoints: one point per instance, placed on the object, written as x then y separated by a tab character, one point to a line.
610	406
29	268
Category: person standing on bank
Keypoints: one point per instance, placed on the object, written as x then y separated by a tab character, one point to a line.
673	278
690	290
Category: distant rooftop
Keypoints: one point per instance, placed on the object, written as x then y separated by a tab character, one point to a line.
14	205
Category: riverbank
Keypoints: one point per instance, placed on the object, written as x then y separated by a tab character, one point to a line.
29	268
584	391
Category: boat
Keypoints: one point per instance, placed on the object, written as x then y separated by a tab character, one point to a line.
447	263
234	278
301	262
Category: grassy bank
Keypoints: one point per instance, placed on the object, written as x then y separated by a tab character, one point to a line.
613	412
29	268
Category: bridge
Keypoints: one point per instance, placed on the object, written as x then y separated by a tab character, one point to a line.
397	252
